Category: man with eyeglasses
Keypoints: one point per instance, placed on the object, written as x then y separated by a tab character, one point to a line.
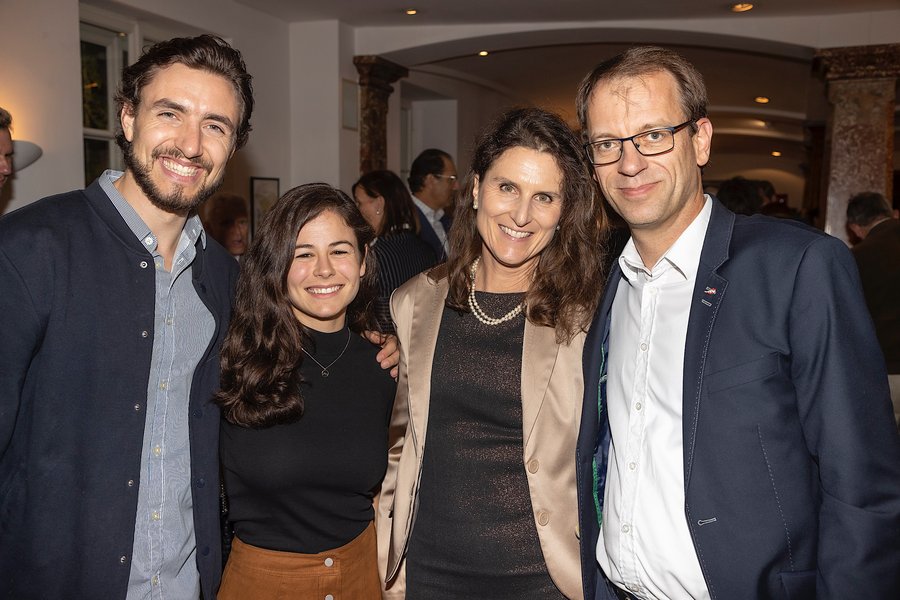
736	439
432	181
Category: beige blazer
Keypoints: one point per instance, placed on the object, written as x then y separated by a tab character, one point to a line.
552	388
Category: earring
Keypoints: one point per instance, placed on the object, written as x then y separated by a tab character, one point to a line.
557	227
475	205
378	212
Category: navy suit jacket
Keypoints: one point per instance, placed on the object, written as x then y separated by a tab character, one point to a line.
791	458
426	232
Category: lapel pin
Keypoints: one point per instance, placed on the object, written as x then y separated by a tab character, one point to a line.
710	291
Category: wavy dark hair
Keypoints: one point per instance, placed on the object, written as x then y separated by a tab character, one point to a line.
399	210
205	52
569	275
261	355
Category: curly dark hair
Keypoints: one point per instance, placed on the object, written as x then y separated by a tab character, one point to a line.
205	52
261	355
568	279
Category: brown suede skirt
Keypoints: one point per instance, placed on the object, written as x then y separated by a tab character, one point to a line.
346	573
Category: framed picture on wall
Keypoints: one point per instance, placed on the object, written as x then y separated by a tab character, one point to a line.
263	194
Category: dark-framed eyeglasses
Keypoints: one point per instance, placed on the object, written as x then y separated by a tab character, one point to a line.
441	176
648	143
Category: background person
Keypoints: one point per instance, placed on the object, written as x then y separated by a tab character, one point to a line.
227	219
433	183
491	378
387	206
306	406
871	219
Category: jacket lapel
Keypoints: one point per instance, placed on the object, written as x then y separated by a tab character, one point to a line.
426	320
709	290
539	354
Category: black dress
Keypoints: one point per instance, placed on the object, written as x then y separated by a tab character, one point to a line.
307	486
474	535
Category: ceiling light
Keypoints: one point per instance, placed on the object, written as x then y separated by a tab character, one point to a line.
776	153
741	7
483	53
411	11
761	100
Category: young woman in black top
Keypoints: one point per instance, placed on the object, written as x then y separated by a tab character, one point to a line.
306	406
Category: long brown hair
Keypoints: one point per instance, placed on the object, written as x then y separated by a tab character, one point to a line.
569	275
261	355
399	210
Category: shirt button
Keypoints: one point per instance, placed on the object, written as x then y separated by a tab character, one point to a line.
632	466
123	560
130	483
144	264
644	346
145	333
157	451
533	465
169	321
653	291
148	241
163	384
155	580
329	561
155	515
543	517
137	407
638	406
626	528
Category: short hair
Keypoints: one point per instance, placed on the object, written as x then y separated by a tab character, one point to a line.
569	275
646	60
740	195
864	208
429	162
399	210
205	52
226	207
262	351
5	119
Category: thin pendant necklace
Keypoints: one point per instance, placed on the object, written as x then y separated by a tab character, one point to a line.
325	368
476	309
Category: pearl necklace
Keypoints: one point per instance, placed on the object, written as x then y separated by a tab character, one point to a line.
325	368
476	310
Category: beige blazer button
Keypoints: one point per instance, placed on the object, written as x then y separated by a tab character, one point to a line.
533	465
543	517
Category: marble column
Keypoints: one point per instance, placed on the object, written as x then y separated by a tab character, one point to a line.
375	78
860	128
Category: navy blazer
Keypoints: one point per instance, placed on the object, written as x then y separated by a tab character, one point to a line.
77	294
426	232
791	458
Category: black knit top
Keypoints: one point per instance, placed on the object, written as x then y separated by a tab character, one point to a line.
307	486
474	535
401	256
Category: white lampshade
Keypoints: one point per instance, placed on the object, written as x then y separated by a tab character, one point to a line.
25	153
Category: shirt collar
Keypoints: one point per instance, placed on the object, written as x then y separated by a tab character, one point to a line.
431	214
193	228
683	256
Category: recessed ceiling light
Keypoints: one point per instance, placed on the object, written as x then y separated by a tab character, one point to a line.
761	100
741	7
776	153
411	11
483	53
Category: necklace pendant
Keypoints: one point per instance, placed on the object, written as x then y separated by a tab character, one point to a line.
324	372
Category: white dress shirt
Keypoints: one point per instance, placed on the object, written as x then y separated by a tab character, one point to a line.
434	219
645	546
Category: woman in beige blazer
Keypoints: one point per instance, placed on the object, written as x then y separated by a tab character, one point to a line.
490	375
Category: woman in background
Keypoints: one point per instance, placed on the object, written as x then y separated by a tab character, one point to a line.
491	379
305	406
387	206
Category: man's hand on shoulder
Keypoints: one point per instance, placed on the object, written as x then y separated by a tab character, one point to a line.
389	355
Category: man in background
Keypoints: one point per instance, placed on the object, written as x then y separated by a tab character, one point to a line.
871	219
433	182
6	147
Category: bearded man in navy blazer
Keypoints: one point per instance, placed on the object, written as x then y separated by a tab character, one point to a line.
737	440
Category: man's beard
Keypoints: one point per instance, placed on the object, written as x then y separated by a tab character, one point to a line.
175	202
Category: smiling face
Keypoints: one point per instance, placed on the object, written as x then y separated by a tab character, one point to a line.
371	207
519	202
181	136
660	195
324	276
